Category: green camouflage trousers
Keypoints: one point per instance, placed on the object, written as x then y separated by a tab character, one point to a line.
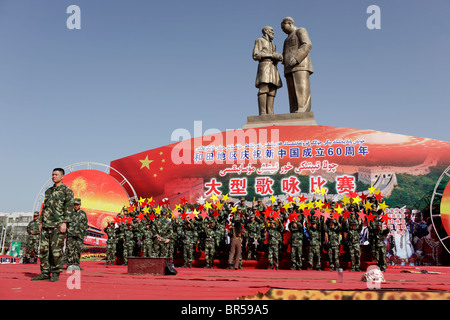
314	254
51	252
210	247
74	246
188	253
296	257
128	247
32	246
333	256
147	248
355	255
380	256
273	255
110	251
161	249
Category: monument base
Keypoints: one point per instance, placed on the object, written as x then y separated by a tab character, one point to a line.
156	266
284	119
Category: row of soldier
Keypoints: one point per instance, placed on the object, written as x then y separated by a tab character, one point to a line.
299	230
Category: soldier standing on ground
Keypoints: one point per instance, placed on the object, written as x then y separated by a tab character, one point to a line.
33	239
110	243
56	214
76	232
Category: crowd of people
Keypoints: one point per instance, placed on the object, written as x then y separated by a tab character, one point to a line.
297	226
304	231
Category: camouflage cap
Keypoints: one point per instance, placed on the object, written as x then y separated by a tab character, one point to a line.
76	201
36	213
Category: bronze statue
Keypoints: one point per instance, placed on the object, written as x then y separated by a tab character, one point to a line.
297	66
267	79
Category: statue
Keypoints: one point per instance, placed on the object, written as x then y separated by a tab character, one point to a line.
297	66
267	79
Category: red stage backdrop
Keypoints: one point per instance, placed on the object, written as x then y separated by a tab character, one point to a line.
289	160
102	197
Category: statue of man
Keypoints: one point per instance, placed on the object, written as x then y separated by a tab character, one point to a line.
267	79
297	66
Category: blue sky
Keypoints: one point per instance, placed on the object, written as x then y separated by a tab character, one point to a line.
137	70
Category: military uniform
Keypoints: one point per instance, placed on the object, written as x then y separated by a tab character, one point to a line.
138	232
76	232
210	243
242	207
162	230
353	230
128	244
314	246
189	242
379	236
111	244
57	209
253	237
333	242
296	245
275	240
33	238
147	242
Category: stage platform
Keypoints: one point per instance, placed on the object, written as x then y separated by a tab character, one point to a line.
100	282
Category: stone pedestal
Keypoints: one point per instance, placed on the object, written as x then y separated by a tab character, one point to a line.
284	119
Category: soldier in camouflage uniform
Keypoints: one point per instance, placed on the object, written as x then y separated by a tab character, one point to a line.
353	230
56	214
296	228
253	237
76	232
147	243
210	242
110	243
332	232
259	206
163	234
275	240
242	207
138	232
314	244
128	243
379	236
189	243
33	239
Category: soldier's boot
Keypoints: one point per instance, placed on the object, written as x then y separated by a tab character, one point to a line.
42	276
54	277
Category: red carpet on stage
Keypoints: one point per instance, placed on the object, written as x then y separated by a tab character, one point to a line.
100	282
